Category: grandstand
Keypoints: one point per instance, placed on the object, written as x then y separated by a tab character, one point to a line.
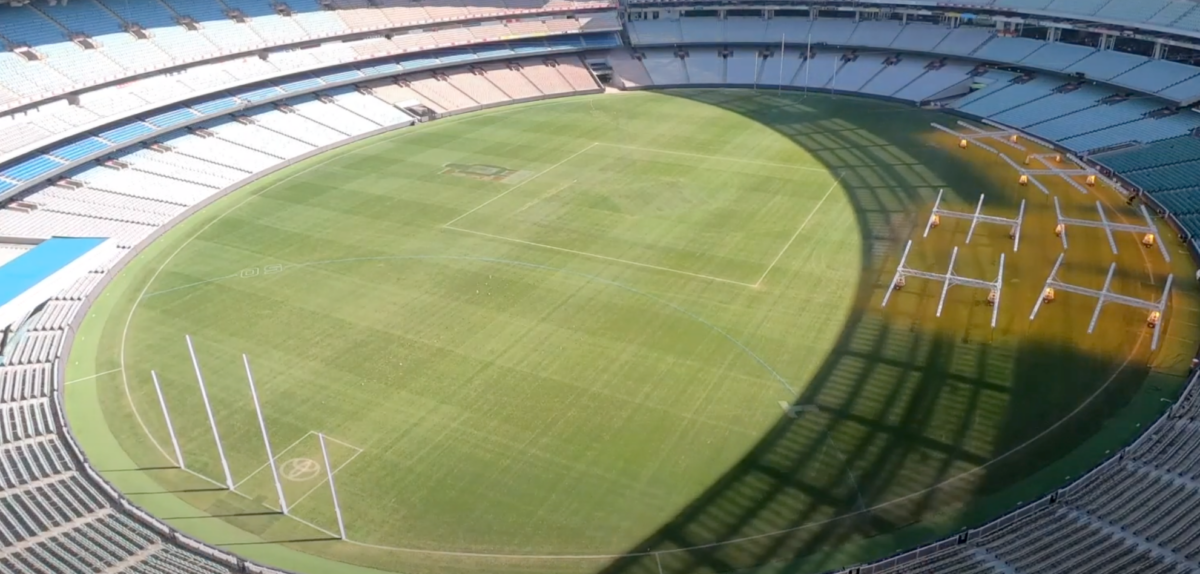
120	118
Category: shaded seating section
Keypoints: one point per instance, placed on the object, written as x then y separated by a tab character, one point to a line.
912	77
1134	513
1169	80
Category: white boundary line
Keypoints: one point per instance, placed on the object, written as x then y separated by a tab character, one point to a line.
802	226
527	180
934	487
277	455
716	157
88	378
604	257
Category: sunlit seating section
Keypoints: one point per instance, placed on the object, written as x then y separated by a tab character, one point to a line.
441	92
396	95
631	72
704	66
477	86
293	126
577	74
546	78
369	107
514	84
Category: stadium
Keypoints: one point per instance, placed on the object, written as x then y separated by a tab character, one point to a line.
599	286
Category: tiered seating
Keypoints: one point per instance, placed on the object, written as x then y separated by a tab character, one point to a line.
1094	119
1165	152
949	78
817	71
546	78
630	71
665	68
1013	95
577	75
740	68
853	75
477	87
1052	106
919	37
704	66
441	92
895	77
1146	130
512	82
9	251
68	66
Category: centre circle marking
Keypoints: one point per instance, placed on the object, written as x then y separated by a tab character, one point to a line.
299	469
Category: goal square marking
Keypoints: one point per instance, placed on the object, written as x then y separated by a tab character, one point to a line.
301	470
657	213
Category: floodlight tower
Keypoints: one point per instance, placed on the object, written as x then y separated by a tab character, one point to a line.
976	218
947	279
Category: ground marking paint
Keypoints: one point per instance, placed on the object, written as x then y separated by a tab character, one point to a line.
523	182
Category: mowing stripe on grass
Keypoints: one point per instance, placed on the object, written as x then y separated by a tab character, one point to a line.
715	157
604	257
510	190
797	233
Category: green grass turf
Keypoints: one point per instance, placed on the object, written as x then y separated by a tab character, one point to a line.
584	352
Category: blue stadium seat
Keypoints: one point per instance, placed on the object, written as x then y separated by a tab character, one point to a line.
32	169
79	149
127	132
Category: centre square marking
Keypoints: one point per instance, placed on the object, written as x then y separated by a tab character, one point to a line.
301	469
722	219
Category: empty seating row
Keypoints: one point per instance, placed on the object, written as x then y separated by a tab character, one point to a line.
912	78
43	166
92	41
1170	80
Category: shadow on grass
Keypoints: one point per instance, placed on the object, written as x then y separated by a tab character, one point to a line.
227	515
280	541
176	491
925	424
